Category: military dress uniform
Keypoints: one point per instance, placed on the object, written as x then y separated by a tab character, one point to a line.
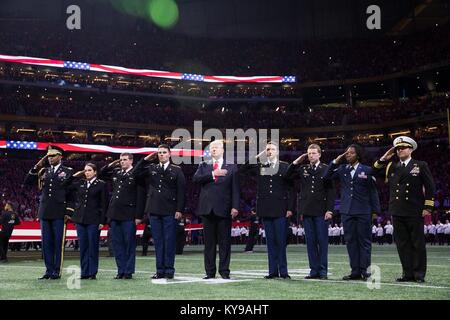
89	204
274	197
166	193
316	197
411	190
126	204
52	208
359	200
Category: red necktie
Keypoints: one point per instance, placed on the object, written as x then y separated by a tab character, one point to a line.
216	166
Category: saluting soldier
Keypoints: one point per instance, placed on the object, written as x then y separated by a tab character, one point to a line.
165	203
52	207
125	211
316	204
359	200
89	205
275	202
411	198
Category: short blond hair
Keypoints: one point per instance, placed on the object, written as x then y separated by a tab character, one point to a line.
315	146
217	142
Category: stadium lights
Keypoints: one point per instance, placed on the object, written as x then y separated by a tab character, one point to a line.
25	130
101	134
399	133
207	140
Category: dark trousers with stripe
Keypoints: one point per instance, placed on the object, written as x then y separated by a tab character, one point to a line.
124	245
89	237
164	236
276	231
52	236
410	240
316	233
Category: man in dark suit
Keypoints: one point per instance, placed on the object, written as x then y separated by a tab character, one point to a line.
253	231
359	200
125	211
165	204
218	205
275	201
411	198
8	219
52	207
316	204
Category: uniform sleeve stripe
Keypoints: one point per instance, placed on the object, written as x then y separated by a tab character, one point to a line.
378	165
429	203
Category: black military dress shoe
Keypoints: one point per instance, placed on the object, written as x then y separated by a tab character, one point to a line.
119	276
93	277
84	277
311	277
55	277
323	278
128	276
169	276
225	276
157	276
352	277
208	277
404	279
271	276
286	277
44	277
365	276
420	280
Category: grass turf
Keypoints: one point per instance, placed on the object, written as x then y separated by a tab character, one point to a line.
18	278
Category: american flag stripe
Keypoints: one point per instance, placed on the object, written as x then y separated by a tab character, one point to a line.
144	72
243	79
78	147
31	230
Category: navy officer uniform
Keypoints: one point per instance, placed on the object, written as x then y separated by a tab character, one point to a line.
316	197
411	191
52	209
90	203
275	196
166	188
125	206
359	199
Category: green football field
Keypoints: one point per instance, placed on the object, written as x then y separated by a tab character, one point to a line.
18	278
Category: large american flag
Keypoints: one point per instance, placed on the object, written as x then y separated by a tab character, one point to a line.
96	148
143	72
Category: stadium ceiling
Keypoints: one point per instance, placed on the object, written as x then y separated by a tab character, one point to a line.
426	14
260	19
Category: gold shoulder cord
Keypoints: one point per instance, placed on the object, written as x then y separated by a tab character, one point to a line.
41	178
386	180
